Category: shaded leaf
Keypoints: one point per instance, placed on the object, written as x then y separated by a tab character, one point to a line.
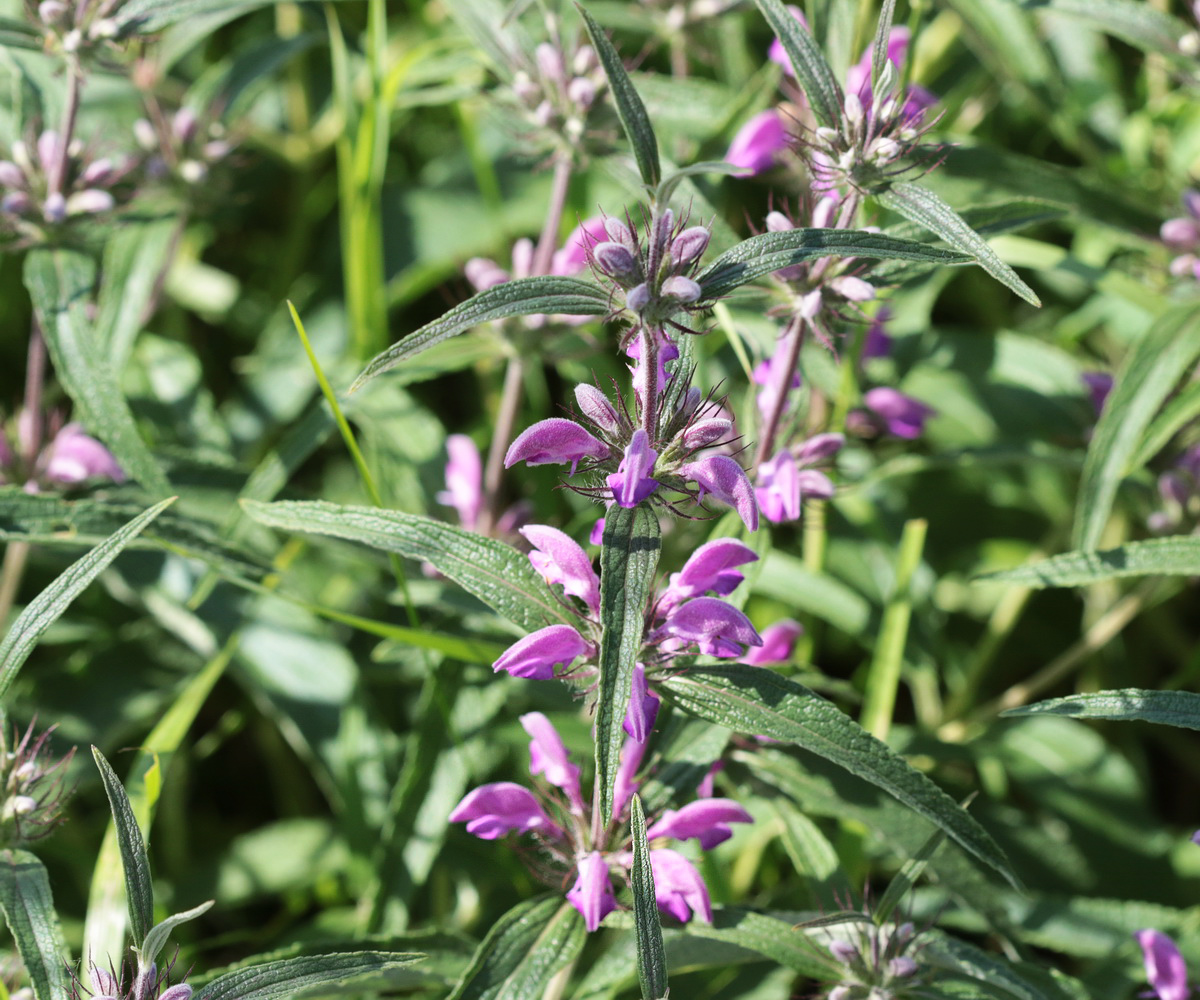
29	912
1137	23
1168	708
290	976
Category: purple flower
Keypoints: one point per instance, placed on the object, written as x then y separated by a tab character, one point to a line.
1099	385
778	490
555	440
712	567
548	757
1165	967
678	888
592	893
768	374
491	811
858	78
631	759
572	258
464	480
631	483
878	343
666	351
1182	234
706	819
904	416
538	653
778	641
717	628
757	143
642	709
560	559
721	476
74	456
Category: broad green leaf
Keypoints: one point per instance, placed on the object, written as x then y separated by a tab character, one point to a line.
45	609
1133	21
60	285
522	951
1151	370
769	252
29	912
1168	708
812	854
290	976
812	71
522	297
1174	556
496	573
651	958
630	108
139	888
161	931
922	206
761	702
628	558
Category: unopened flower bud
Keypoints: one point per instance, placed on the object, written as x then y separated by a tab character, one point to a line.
839	993
884	150
582	92
594	405
54	209
1189	44
11	175
180	991
550	62
184	124
822	215
828	135
90	201
25	771
47	150
843	951
902	967
638	297
484	273
689	245
543	114
218	149
192	171
584	60
904	933
525	89
887	80
97	172
706	432
691	399
51	11
19	805
72	40
619	233
615	260
852	288
661	235
811	304
853	108
682	289
777	222
105	27
15	203
145	135
105	982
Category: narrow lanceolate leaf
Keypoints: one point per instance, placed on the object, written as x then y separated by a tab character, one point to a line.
134	258
522	951
922	206
630	108
1151	371
1133	21
903	881
29	912
812	71
956	956
1175	556
883	31
161	932
628	558
770	937
496	573
667	188
1181	410
522	297
651	957
149	16
139	889
1168	708
60	285
769	252
45	609
291	976
761	702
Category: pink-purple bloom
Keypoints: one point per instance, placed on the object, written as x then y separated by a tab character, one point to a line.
1166	971
555	440
464	480
712	568
902	415
631	483
721	476
491	811
713	626
537	655
561	560
678	888
705	819
778	641
1182	235
73	457
785	480
758	143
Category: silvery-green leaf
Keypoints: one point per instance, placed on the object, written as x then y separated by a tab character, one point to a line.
1150	371
29	912
651	958
630	108
139	888
628	558
922	206
812	71
521	297
291	976
496	573
761	702
1174	556
879	48
1169	708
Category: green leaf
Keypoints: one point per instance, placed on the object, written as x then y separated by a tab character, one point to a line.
161	931
134	258
761	702
1168	708
769	252
651	958
628	558
1135	22
29	912
922	206
496	573
522	951
522	297
685	751
145	17
952	955
1150	371
768	936
139	888
903	881
45	609
812	71
1175	556
630	108
290	976
879	48
1180	411
667	188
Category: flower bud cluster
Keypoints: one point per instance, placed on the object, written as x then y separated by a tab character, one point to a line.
878	962
34	791
149	983
1179	493
558	91
72	28
181	147
1182	236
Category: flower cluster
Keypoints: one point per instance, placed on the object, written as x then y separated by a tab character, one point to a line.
72	27
145	984
877	961
788	478
181	146
570	845
71	456
1182	235
558	90
34	791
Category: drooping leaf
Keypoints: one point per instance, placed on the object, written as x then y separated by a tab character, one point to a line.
290	976
628	557
630	108
522	297
139	888
922	206
1180	410
812	71
496	573
1168	708
769	252
60	285
1137	23
1150	371
1175	556
524	948
29	912
761	702
651	958
45	609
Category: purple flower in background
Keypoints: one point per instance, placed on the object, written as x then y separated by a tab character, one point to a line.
785	480
757	143
464	480
878	342
73	457
1099	385
493	810
1182	234
1166	970
778	641
901	415
858	78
